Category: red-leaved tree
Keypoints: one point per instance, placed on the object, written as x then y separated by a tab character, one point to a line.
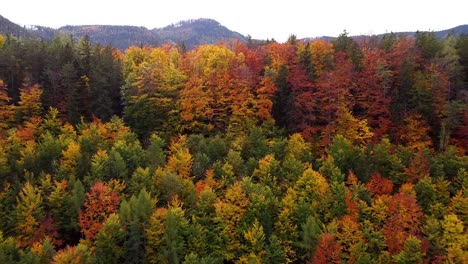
328	251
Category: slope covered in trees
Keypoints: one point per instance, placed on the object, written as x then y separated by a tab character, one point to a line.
189	33
317	152
8	27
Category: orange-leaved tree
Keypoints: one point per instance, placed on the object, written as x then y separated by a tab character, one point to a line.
328	250
404	220
102	201
218	94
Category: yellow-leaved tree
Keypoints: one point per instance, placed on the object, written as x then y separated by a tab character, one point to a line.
29	212
351	128
7	116
180	159
30	104
218	93
230	211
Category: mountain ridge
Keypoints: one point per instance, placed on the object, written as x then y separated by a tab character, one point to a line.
441	34
189	33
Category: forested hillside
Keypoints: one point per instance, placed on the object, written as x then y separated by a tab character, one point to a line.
189	33
8	27
296	152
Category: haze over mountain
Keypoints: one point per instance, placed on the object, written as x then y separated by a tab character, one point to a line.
189	33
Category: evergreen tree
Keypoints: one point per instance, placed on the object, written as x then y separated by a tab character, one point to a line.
411	252
283	100
109	241
135	216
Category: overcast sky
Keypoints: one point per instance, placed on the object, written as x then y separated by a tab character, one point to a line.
261	19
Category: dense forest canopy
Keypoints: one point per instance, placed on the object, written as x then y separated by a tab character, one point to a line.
259	152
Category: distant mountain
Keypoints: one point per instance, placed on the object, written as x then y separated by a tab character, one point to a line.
189	33
42	32
463	29
120	37
195	32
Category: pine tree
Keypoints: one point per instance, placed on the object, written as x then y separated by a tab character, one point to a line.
109	241
411	252
135	216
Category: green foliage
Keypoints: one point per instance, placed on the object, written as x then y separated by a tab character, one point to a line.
261	197
282	104
433	232
193	258
234	158
170	241
388	41
255	146
168	185
141	116
305	58
348	157
134	216
275	252
141	180
310	236
105	82
117	167
428	44
71	86
156	156
40	253
429	193
7	205
109	241
350	47
9	253
411	253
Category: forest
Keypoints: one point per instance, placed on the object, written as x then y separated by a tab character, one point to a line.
341	151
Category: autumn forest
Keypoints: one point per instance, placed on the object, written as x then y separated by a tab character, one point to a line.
351	150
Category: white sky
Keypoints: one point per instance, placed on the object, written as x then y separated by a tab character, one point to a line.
261	19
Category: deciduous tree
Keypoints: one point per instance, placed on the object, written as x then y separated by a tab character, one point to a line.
101	202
